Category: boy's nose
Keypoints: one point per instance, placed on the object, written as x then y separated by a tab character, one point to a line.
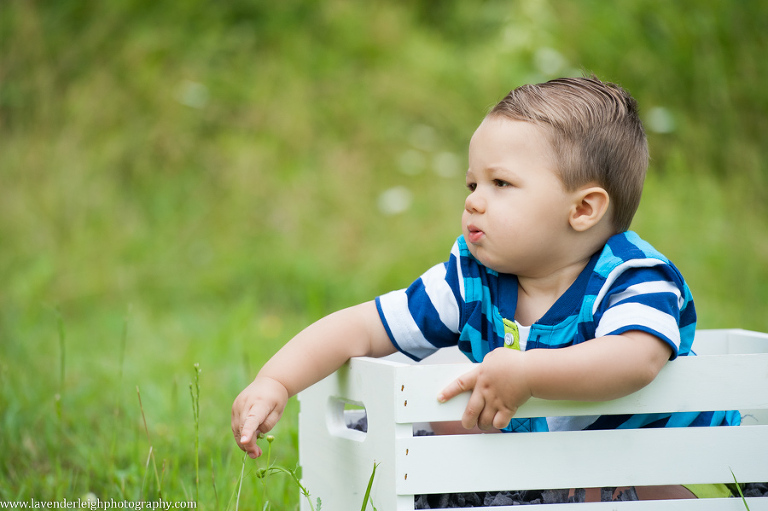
474	203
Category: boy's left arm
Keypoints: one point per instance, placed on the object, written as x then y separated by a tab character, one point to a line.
599	370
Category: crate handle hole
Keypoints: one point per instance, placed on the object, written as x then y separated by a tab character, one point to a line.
347	419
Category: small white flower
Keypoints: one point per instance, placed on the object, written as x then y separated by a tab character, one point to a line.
423	137
192	94
411	162
660	120
548	61
446	164
395	200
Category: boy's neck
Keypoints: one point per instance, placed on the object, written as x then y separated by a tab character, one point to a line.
536	295
538	292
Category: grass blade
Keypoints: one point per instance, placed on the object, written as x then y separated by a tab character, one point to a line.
367	496
738	487
240	483
151	453
194	391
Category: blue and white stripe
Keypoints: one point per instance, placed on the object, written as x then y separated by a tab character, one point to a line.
627	286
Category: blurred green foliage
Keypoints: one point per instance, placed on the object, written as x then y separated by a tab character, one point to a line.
220	174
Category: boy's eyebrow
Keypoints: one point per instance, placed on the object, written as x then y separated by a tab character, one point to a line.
495	170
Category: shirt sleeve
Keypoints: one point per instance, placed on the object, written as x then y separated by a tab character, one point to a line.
649	298
426	316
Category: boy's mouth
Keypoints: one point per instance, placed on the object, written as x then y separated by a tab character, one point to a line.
474	234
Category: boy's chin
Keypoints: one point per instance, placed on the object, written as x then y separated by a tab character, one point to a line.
483	257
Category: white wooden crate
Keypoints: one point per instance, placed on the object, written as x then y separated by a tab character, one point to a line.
730	373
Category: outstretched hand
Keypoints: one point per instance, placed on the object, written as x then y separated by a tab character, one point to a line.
256	410
498	385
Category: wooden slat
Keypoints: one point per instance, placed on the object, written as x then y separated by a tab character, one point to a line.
755	504
719	382
581	459
734	341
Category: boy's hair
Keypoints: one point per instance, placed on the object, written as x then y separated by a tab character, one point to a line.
595	133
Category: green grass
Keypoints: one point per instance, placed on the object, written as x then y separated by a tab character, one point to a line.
195	183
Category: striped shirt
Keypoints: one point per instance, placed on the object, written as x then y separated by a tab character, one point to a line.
626	286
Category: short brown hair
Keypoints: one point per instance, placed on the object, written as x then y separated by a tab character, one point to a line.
596	135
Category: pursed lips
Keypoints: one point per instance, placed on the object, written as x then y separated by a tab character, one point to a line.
474	234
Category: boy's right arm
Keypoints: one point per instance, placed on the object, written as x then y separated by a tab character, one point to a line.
313	354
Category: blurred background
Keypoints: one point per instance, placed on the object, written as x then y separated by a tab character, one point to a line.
194	182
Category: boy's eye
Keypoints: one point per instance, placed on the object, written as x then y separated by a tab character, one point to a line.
501	184
471	186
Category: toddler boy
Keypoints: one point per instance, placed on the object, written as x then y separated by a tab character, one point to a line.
546	289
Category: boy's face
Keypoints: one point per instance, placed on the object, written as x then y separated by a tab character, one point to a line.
516	216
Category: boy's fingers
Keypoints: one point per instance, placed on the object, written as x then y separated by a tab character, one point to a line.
461	384
253	451
270	421
248	436
485	420
472	412
502	418
251	426
247	431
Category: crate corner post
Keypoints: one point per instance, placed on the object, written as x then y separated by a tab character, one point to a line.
337	462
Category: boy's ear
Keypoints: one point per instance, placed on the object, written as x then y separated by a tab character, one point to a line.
589	207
